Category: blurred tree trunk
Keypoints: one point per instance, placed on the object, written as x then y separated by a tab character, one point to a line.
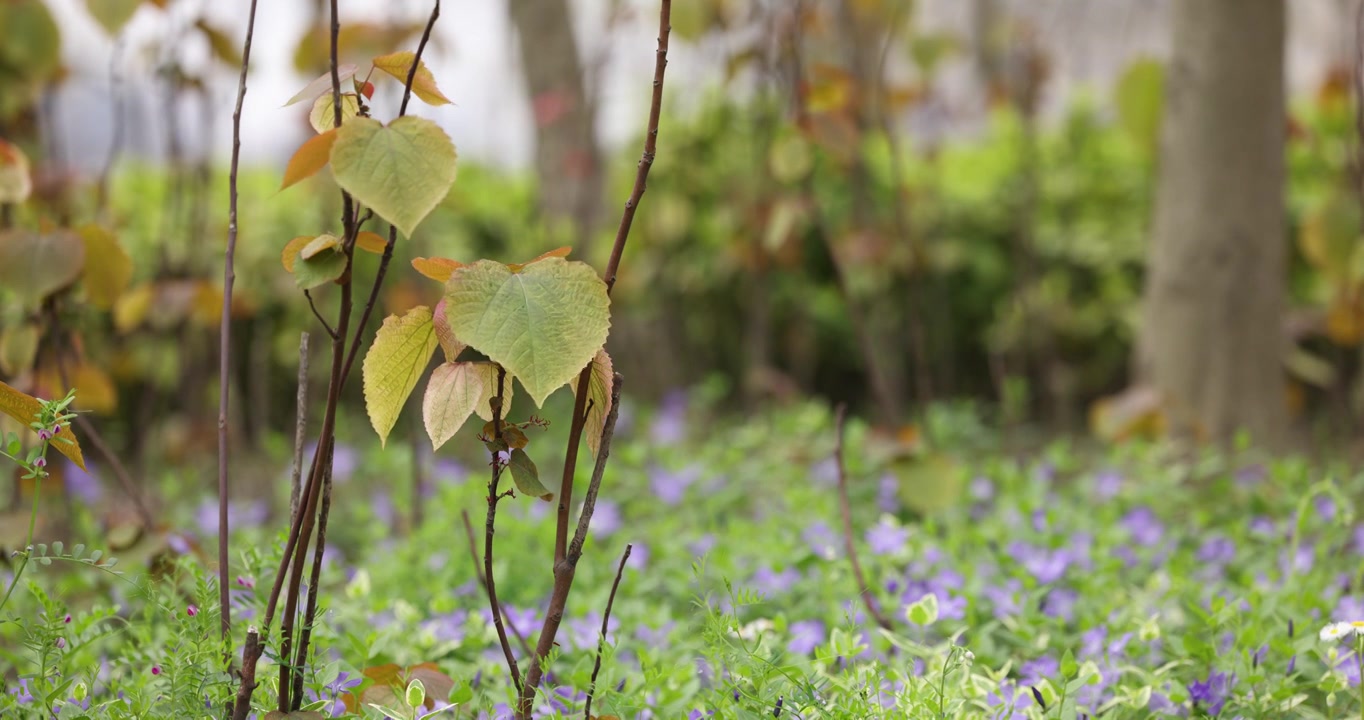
1212	331
567	158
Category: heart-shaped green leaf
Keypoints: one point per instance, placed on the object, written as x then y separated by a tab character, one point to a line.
401	171
34	265
395	361
323	115
543	324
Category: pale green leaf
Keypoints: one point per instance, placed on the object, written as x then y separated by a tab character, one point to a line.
527	476
108	269
599	394
112	15
487	373
323	116
33	265
394	363
544	323
401	171
452	393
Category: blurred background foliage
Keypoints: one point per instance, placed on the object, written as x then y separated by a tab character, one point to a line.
802	238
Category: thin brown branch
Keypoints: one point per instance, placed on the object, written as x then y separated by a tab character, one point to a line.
601	643
564	570
300	425
225	332
483	580
313	306
863	590
489	582
627	218
315	580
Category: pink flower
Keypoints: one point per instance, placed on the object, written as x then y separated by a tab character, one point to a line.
40	462
156	669
61	643
192	611
67	619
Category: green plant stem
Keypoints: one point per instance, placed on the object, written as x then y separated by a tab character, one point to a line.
32	525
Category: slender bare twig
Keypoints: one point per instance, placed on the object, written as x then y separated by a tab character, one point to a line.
863	590
564	571
601	643
627	218
300	425
489	581
313	306
116	127
225	331
483	581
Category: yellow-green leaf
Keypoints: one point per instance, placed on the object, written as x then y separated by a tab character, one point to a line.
599	393
224	48
393	364
398	64
15	182
323	84
323	116
453	392
112	15
401	171
25	409
310	157
18	348
527	476
34	265
1140	97
108	269
543	324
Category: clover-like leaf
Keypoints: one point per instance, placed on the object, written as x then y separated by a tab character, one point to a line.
599	393
527	476
398	64
323	116
15	182
108	269
25	409
401	171
309	158
36	264
394	363
543	324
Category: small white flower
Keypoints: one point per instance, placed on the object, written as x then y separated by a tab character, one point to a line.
1338	630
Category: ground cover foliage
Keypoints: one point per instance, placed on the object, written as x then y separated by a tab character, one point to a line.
1069	581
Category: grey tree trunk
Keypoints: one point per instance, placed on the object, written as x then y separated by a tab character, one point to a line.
567	158
1212	340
